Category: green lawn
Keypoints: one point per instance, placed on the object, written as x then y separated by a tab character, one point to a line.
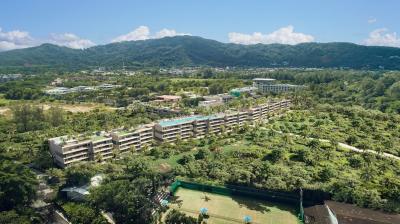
226	210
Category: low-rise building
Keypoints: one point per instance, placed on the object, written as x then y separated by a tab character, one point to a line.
240	91
169	98
266	85
215	100
210	103
161	110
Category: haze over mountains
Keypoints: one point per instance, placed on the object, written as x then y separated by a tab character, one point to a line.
197	51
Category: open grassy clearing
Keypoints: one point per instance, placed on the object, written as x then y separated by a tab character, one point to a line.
73	108
225	209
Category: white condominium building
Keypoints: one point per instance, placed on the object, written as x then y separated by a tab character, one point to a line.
266	85
67	150
199	125
134	139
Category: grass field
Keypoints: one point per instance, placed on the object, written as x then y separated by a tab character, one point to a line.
229	210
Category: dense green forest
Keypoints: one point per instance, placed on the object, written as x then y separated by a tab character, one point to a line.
359	108
196	51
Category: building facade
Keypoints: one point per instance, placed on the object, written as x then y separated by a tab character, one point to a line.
268	85
198	126
137	139
67	150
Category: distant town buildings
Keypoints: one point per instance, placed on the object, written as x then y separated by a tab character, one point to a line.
77	89
168	98
9	77
240	91
161	110
265	85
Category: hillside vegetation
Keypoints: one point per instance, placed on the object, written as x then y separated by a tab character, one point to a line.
196	51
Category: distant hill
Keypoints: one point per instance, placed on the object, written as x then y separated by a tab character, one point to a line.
195	51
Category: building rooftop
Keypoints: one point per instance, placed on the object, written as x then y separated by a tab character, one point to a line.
169	97
263	79
244	89
66	139
122	132
184	120
99	137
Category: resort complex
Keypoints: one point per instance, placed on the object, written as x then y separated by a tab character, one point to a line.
67	150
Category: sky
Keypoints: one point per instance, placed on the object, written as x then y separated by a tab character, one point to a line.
85	23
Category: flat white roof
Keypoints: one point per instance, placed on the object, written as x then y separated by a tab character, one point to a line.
263	79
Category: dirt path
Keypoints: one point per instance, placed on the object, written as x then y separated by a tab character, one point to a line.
346	146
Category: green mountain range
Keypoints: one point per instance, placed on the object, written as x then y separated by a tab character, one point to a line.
197	51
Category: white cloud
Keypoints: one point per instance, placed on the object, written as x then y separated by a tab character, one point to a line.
168	33
284	35
372	20
140	33
143	33
381	37
70	40
15	39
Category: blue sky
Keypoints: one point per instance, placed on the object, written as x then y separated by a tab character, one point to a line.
84	23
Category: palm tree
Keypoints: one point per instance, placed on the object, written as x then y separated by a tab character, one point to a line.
99	157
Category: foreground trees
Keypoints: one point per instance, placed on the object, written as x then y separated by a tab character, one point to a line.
17	190
129	195
17	185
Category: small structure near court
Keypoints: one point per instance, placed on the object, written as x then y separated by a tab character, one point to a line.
203	211
247	219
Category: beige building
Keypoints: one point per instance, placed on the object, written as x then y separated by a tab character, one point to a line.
266	85
67	150
168	98
199	126
134	139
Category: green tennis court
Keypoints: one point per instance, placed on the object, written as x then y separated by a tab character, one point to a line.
225	209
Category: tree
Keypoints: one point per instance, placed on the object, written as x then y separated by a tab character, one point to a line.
13	217
201	154
186	159
128	200
28	117
277	155
177	217
17	185
78	176
215	88
56	116
314	144
80	213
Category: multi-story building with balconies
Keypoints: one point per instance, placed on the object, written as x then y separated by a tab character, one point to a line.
133	139
67	149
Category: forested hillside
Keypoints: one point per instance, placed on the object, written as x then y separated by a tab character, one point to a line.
196	51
